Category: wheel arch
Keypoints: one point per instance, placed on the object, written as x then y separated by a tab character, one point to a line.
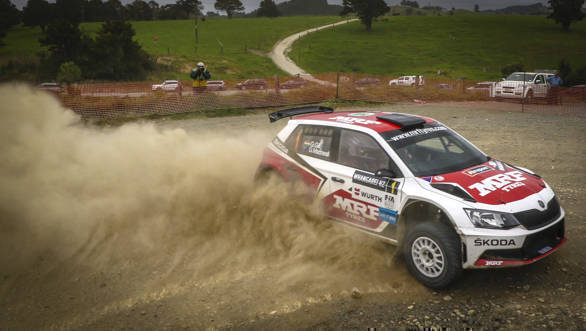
416	211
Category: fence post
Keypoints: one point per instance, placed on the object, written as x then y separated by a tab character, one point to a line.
337	85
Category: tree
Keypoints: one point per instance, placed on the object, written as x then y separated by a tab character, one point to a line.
139	11
564	69
37	12
566	11
190	6
9	16
115	55
476	8
366	10
408	3
69	72
65	42
70	10
229	6
268	8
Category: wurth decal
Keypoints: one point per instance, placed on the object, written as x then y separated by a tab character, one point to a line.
366	195
506	182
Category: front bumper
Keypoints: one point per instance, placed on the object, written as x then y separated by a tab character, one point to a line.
534	247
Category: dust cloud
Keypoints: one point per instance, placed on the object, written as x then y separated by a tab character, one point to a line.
180	204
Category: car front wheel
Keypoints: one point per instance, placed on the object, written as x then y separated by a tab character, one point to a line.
432	253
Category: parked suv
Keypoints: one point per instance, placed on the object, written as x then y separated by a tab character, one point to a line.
407	81
168	85
415	183
523	85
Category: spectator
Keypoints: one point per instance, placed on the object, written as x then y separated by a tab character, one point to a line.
555	82
200	77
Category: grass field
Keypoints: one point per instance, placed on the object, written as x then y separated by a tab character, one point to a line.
242	39
472	47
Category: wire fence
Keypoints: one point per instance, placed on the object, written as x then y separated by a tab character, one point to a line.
110	100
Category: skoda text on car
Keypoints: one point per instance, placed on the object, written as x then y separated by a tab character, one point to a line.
415	183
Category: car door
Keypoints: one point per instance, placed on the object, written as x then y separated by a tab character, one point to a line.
356	195
540	87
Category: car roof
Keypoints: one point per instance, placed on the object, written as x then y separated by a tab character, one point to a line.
366	119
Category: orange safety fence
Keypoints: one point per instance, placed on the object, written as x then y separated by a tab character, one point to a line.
129	99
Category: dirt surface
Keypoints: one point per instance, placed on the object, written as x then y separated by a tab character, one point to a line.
279	52
159	226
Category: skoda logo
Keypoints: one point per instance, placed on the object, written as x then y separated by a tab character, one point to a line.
541	204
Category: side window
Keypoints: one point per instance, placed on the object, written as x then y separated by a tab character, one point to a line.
293	138
360	151
315	141
539	80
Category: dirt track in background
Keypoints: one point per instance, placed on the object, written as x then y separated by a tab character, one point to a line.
158	226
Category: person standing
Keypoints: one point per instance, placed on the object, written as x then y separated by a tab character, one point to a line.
200	76
555	82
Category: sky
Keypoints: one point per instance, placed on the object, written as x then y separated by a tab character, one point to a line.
251	5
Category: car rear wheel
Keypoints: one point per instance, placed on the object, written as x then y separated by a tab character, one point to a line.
432	253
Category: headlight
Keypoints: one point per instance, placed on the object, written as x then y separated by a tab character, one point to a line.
491	219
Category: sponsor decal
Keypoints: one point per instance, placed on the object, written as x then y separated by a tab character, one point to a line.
494	242
506	182
389	201
438	178
366	195
356	210
541	204
544	250
368	180
427	179
497	165
352	120
477	170
280	146
387	215
418	132
315	147
361	114
493	263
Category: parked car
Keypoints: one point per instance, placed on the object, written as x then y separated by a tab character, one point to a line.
407	81
367	81
168	85
414	182
444	86
252	84
216	85
484	87
52	87
523	85
294	83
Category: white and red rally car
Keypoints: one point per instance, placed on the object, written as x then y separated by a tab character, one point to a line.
413	182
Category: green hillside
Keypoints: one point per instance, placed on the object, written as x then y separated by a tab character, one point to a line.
243	40
473	47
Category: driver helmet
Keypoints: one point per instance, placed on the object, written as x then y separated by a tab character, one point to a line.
200	65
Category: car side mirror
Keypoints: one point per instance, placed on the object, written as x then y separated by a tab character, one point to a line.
385	173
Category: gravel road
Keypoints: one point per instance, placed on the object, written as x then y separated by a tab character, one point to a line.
156	225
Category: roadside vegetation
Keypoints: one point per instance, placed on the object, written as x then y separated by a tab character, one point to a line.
472	47
229	48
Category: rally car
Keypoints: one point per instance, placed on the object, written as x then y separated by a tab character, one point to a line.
413	182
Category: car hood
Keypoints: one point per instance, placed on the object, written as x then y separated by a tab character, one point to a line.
492	182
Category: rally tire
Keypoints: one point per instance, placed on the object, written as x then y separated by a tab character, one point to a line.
432	252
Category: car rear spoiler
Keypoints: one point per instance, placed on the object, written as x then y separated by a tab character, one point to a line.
280	114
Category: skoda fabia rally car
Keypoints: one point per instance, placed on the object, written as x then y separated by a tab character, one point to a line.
413	182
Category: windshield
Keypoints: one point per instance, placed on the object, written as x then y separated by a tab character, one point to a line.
433	150
519	77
